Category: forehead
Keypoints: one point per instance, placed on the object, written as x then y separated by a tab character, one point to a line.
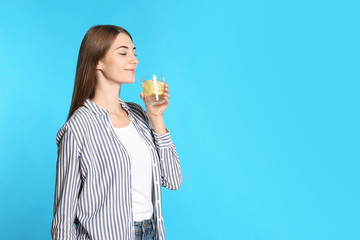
122	39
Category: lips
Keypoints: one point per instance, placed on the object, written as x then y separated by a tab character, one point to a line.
131	70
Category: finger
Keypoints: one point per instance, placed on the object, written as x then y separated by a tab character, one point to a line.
167	100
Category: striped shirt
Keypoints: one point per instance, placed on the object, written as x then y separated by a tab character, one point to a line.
93	197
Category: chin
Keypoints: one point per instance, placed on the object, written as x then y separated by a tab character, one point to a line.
132	80
127	80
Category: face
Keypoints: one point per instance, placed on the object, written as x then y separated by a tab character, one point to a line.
120	61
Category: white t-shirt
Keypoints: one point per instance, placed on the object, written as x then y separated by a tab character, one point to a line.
141	174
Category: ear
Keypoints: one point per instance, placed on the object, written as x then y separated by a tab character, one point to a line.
99	65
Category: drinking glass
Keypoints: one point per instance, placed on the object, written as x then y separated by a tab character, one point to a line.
153	87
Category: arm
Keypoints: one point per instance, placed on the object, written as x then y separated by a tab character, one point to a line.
171	176
66	188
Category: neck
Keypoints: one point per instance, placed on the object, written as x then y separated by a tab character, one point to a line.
107	97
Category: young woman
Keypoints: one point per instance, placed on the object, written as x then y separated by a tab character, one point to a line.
113	156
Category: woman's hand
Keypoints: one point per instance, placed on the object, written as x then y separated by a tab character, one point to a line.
157	110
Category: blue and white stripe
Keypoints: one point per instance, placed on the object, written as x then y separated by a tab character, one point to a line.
93	181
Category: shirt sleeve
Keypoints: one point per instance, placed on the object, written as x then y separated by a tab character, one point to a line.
171	176
66	188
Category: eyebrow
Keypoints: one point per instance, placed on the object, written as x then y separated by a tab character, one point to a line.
125	47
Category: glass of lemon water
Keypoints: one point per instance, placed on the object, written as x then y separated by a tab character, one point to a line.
153	87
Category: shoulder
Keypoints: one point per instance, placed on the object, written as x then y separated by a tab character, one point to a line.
81	118
77	125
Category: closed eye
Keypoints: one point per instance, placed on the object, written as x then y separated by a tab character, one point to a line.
125	54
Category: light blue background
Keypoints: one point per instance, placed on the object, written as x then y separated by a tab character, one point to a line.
264	111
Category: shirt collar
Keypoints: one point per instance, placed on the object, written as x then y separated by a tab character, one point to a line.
101	111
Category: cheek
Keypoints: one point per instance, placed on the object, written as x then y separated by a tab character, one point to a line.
115	66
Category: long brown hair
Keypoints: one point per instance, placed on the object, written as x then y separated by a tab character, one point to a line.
94	47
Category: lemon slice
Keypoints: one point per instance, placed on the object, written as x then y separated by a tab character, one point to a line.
159	88
148	87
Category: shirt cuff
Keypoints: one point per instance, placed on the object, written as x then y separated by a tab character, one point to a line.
162	140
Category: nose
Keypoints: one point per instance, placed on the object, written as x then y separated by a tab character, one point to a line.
134	60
